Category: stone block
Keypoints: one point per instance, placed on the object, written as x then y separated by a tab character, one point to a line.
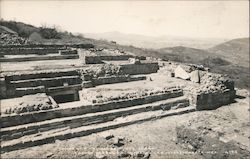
181	73
92	60
195	76
67	52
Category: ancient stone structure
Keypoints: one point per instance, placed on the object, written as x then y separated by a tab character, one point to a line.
86	98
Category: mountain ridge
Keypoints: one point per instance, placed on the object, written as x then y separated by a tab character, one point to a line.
155	42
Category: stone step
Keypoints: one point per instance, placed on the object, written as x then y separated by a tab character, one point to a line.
67	133
32	117
116	79
51	74
41	89
87	84
64	88
38	58
87	119
29	90
47	82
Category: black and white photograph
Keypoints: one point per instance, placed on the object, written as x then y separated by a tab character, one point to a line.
124	79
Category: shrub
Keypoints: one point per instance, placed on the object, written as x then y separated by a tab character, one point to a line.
49	33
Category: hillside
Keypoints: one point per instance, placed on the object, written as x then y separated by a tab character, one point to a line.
186	54
154	42
231	57
6	30
234	50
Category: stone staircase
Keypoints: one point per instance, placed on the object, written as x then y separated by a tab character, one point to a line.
20	131
52	82
25	84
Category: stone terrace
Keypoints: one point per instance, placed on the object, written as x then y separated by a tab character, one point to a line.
88	94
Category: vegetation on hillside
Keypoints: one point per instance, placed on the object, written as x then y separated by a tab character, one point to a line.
25	30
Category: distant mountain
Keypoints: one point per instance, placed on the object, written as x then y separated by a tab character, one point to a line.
153	42
185	54
236	51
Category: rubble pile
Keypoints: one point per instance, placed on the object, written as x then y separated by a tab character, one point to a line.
31	103
103	70
101	97
12	39
211	82
102	52
208	82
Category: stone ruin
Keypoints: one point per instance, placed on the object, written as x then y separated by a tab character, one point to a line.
86	94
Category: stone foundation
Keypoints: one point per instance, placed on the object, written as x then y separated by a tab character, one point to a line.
39	58
18	119
213	100
100	59
67	52
92	60
143	68
3	89
38	49
115	79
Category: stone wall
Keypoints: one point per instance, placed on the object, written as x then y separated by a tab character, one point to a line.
39	58
213	100
38	49
143	68
3	89
92	60
99	59
25	51
19	84
115	79
121	57
211	91
67	52
15	76
49	46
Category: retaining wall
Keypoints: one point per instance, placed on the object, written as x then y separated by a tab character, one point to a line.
92	60
38	49
115	79
67	52
213	100
39	58
143	68
49	46
3	89
40	74
99	59
25	51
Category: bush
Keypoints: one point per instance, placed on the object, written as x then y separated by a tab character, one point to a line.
49	33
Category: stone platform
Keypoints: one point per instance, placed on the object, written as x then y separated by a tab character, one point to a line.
95	97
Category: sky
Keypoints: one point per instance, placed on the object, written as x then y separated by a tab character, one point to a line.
203	19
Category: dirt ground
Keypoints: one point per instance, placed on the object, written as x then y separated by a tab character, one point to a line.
153	139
